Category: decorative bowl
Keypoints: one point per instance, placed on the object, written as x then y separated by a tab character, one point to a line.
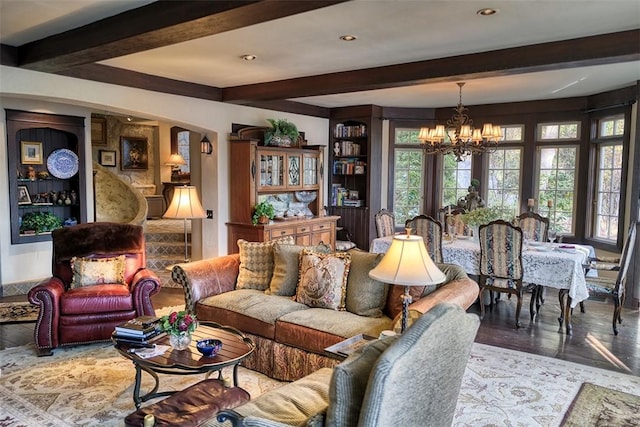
209	347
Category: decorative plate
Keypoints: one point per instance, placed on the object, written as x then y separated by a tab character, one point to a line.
63	163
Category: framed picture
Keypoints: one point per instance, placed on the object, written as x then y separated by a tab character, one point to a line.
31	153
98	131
133	153
107	157
23	195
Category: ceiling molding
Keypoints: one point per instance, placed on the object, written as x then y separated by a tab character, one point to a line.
155	25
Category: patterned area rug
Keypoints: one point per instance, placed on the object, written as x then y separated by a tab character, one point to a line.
18	311
602	406
92	385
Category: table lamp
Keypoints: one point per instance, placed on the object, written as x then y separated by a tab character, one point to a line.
175	161
407	263
186	205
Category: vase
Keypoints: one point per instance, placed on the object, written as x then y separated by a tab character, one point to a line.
180	342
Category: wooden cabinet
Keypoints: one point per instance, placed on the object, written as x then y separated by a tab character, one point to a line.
355	175
46	171
287	178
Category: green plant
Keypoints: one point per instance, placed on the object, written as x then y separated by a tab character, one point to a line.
179	323
263	209
40	222
481	216
280	128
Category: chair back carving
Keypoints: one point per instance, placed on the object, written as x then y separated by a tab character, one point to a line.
431	232
537	226
501	250
385	223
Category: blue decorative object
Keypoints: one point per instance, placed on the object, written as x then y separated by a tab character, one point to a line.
63	163
209	347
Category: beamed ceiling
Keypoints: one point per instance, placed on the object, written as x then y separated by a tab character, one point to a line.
407	53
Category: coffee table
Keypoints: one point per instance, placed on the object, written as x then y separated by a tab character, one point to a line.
235	347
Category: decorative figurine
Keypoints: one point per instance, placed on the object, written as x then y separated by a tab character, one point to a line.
31	173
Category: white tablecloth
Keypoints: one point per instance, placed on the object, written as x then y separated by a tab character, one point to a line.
556	268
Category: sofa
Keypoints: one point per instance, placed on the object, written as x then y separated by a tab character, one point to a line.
277	294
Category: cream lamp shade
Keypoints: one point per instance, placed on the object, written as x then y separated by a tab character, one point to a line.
407	263
185	205
176	160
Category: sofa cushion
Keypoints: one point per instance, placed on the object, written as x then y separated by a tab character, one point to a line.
249	310
318	328
256	265
323	279
97	271
286	260
96	299
349	383
365	296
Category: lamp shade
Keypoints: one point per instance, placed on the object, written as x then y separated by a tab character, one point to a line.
185	204
175	160
407	263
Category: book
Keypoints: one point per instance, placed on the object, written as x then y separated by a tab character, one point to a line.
120	339
140	326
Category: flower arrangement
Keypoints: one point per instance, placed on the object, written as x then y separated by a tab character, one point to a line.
481	216
179	323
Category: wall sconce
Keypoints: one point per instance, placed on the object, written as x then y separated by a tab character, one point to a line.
205	146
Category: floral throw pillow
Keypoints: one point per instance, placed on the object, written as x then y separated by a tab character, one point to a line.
97	271
322	279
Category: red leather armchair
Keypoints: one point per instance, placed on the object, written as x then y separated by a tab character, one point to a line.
89	314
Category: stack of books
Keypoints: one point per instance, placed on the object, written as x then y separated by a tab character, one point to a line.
139	330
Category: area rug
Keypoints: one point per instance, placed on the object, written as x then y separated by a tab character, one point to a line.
92	385
601	406
18	311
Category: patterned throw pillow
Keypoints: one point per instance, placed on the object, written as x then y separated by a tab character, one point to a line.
286	260
256	265
97	271
322	281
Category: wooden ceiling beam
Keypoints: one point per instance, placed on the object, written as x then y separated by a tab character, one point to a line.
158	24
593	50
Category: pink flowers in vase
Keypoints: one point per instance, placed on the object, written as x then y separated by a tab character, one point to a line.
179	323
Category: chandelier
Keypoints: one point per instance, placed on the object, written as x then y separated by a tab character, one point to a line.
459	137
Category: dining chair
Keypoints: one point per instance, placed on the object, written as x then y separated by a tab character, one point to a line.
385	223
613	287
455	211
501	262
536	228
431	231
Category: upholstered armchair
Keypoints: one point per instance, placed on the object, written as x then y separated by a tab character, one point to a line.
99	280
411	379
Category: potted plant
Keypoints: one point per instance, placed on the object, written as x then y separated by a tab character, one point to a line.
39	222
282	133
262	213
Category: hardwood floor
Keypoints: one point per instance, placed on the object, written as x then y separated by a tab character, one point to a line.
592	343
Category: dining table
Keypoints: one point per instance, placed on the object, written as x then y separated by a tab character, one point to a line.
556	265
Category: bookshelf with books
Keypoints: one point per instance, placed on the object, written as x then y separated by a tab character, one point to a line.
355	157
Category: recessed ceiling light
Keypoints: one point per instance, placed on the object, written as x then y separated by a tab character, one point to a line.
249	57
487	11
348	38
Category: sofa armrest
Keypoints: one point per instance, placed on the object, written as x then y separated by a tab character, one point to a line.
462	292
144	284
201	279
46	295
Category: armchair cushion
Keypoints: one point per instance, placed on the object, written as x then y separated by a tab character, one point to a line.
96	299
365	296
97	271
322	281
349	383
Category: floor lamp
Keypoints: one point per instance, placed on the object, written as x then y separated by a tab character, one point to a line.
407	263
185	205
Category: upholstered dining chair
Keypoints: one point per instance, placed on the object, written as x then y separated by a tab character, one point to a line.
99	280
385	223
613	287
456	212
536	228
501	262
431	231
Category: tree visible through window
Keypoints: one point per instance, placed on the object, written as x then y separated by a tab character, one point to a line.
556	182
408	177
456	178
503	183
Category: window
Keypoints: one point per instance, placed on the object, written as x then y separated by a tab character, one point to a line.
559	131
503	180
609	178
557	171
408	180
456	178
